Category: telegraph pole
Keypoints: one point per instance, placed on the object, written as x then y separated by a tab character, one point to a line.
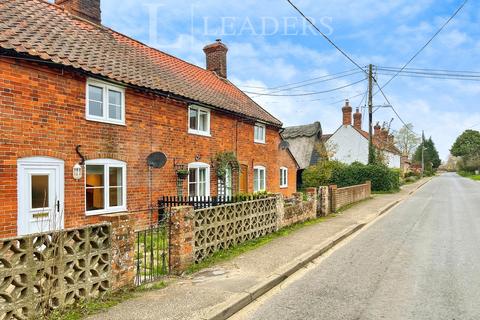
371	155
423	152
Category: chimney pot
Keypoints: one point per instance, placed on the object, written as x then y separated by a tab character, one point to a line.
216	55
86	9
347	113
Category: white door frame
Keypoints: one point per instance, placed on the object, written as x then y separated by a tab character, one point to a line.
38	163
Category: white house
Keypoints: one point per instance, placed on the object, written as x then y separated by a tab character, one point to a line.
350	143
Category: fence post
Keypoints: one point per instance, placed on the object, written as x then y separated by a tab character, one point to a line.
280	203
123	249
323	201
333	198
182	239
312	196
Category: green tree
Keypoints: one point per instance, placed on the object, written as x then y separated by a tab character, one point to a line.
467	145
430	154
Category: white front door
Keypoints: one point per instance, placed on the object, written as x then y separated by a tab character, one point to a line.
40	195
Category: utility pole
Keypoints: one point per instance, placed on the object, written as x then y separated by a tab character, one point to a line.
423	153
371	155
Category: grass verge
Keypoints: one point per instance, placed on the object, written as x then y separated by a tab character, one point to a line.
472	176
90	307
225	255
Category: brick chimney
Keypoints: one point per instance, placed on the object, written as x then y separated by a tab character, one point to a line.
378	130
216	54
357	119
347	113
86	9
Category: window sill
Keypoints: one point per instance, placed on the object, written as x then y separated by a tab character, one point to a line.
200	133
259	142
283	187
102	212
118	123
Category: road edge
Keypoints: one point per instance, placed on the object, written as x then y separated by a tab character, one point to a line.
244	299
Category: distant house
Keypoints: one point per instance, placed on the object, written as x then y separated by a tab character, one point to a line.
349	143
305	143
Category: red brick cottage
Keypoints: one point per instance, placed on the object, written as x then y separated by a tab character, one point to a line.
67	81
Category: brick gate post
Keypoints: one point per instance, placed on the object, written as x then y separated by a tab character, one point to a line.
123	249
182	238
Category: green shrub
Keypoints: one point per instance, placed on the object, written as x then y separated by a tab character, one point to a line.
382	178
320	174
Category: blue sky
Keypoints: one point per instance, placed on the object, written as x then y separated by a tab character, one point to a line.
271	46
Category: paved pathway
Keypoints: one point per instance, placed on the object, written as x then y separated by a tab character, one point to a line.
420	261
202	294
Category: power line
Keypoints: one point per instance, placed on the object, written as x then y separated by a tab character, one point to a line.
304	94
426	44
325	36
428	70
393	108
308	84
432	77
303	81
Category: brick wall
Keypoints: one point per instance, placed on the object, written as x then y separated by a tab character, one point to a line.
298	210
342	197
42	113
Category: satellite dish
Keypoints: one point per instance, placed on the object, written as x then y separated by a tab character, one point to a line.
157	159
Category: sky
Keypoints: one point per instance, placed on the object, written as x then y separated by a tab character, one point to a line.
270	45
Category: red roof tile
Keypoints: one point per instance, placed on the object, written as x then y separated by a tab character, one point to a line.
44	30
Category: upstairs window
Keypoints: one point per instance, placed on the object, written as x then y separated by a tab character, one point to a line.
283	177
105	186
259	179
199	120
259	133
105	102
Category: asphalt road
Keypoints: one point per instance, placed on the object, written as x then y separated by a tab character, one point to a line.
419	261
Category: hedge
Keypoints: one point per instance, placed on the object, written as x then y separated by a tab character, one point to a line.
383	178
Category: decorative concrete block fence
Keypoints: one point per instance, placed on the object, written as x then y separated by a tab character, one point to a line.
45	271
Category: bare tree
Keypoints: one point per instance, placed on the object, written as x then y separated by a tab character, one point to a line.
406	140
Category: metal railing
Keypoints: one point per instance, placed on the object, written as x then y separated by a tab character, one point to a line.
152	252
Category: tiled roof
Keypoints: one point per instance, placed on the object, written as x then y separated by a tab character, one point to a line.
46	31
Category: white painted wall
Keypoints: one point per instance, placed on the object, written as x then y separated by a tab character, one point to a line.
348	146
393	160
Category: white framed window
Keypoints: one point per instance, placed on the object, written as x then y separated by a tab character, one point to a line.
259	133
198	179
198	120
283	177
105	102
225	186
105	186
259	179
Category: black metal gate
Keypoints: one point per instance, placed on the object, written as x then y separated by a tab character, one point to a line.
152	252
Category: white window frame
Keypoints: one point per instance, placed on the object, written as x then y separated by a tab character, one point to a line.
283	174
105	87
205	133
107	163
196	166
258	188
259	125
